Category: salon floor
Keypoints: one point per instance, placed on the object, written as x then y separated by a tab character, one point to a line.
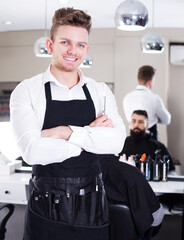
170	230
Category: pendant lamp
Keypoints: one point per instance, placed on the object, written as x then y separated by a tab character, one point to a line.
40	49
152	42
131	15
87	62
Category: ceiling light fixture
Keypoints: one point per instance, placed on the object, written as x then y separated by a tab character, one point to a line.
152	42
131	15
87	62
8	22
40	49
63	1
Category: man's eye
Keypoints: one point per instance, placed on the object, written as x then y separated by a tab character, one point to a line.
64	42
81	45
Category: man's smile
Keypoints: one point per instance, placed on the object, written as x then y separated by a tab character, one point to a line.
71	59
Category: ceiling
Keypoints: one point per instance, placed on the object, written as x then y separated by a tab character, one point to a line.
30	14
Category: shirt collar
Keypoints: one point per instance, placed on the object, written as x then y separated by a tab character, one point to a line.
142	87
48	77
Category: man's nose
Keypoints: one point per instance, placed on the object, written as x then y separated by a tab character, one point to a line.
136	124
72	49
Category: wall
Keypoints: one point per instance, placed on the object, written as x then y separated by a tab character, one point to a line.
17	60
116	58
175	103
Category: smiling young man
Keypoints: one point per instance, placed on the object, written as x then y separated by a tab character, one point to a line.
58	121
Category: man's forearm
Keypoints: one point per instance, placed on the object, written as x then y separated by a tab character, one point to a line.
60	132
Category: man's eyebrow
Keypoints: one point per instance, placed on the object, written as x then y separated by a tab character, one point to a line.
82	42
67	39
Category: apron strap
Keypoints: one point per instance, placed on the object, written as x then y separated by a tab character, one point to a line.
48	91
86	92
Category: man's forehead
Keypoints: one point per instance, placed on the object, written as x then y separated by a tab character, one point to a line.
138	117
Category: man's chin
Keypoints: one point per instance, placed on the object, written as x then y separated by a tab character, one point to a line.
137	132
137	135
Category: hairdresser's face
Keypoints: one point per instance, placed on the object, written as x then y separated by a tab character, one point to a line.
138	123
68	48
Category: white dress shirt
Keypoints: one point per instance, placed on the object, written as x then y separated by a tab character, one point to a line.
143	99
27	111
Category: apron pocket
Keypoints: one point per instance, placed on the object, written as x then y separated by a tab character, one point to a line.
41	204
38	227
62	209
90	209
52	206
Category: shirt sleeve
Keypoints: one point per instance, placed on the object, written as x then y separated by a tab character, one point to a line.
163	115
127	107
102	140
27	128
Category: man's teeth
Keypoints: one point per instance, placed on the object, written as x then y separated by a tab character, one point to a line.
70	59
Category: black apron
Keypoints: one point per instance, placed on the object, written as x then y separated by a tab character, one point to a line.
67	199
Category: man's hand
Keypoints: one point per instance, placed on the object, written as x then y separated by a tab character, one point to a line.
102	121
60	132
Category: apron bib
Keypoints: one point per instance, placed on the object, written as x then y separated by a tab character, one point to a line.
67	199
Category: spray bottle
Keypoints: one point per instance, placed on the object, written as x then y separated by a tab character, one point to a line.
148	163
137	160
156	166
165	163
142	163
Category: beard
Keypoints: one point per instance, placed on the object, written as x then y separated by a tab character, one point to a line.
137	136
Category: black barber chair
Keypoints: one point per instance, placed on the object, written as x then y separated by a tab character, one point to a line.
121	223
4	220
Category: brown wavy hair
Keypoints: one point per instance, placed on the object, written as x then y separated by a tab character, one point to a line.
72	17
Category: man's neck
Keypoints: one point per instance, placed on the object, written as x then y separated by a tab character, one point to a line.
148	84
69	79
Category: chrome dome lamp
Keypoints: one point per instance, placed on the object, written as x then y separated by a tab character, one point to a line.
131	15
152	42
40	49
87	62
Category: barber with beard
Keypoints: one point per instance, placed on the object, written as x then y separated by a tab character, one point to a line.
139	141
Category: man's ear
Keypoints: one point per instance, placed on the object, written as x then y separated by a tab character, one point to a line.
49	45
147	125
150	83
